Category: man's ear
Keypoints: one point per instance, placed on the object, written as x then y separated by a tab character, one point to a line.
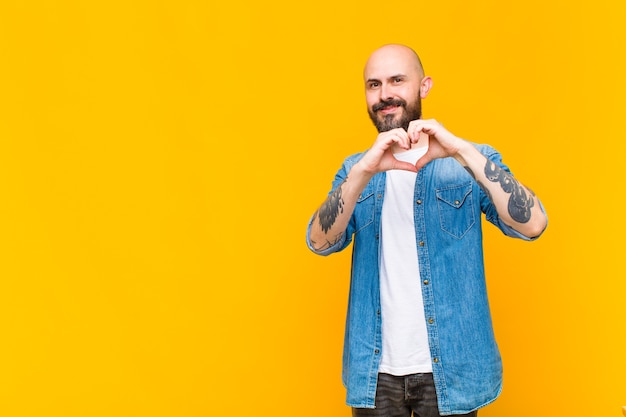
425	86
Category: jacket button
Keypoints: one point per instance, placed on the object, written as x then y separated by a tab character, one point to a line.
419	201
379	196
436	360
457	202
377	351
425	282
422	243
431	321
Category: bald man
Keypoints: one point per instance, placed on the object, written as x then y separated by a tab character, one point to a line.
419	339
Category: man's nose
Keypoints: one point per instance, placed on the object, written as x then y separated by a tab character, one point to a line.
386	93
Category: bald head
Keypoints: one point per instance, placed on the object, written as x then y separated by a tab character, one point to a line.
399	56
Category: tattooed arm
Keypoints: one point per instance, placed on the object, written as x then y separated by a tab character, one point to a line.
331	219
516	205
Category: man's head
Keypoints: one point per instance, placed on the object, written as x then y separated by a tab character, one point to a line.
394	86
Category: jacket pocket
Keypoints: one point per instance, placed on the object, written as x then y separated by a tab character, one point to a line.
456	209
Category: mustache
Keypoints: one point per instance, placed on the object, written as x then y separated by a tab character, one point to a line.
392	102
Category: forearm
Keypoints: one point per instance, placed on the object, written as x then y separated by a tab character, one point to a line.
516	205
331	219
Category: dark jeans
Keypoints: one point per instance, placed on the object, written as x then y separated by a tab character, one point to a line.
399	396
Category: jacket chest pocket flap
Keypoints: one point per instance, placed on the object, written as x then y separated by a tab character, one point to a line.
456	209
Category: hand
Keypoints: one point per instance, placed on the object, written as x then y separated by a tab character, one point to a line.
441	143
380	157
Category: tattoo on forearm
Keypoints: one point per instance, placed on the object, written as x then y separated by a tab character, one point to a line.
520	203
327	244
331	208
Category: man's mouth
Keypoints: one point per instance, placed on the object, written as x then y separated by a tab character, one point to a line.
387	107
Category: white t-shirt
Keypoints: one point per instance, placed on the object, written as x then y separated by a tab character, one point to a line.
404	338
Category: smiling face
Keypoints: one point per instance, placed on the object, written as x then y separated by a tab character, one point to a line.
394	87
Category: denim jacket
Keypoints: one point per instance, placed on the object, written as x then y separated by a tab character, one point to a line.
467	367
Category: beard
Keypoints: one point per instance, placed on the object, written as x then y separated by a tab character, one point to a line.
387	122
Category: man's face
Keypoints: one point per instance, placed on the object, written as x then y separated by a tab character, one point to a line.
392	89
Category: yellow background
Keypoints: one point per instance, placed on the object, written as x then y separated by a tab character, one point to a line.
159	162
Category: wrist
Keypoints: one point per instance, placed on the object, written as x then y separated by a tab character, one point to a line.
464	151
360	173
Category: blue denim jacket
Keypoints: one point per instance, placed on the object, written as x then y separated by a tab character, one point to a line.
467	367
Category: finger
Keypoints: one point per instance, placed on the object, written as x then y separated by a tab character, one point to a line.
430	128
387	139
420	135
414	131
405	166
422	138
402	138
420	163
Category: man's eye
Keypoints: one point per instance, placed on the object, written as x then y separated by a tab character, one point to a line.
397	80
374	85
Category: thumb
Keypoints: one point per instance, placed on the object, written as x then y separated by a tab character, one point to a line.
421	163
405	166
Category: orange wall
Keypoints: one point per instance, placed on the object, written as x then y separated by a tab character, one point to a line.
159	162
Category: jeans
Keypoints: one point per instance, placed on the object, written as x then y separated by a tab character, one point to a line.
403	396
